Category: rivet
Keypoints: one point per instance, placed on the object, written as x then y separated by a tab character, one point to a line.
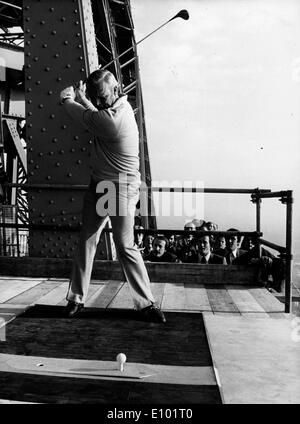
63	127
31	161
78	34
74	218
51	153
28	66
76	137
27	7
53	32
55	140
63	212
83	149
56	55
41	106
28	43
29	114
42	214
68	66
72	150
33	36
58	79
51	9
45	46
52	219
76	23
27	19
72	199
35	59
75	11
38	82
28	54
66	43
48	177
42	22
51	202
29	101
31	173
61	151
32	197
43	129
79	162
36	167
52	116
41	154
50	93
57	164
30	137
47	69
63	19
80	58
27	31
69	175
31	149
29	78
29	125
79	46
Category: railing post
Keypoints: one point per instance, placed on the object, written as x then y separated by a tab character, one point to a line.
287	198
255	198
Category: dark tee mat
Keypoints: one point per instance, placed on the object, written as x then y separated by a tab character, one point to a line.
100	334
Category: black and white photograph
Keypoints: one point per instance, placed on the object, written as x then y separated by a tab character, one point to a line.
149	215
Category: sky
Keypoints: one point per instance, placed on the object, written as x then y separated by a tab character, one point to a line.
221	95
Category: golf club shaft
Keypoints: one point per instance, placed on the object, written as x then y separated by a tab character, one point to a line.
132	47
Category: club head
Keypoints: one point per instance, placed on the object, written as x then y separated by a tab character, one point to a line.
184	14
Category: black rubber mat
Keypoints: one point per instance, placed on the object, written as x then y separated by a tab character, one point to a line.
98	334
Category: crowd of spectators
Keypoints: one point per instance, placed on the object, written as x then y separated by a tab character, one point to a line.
196	247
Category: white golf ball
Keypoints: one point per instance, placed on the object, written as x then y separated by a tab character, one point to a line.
121	357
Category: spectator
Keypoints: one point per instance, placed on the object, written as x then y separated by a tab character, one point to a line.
148	245
205	255
159	252
139	238
272	268
186	246
234	250
220	246
172	245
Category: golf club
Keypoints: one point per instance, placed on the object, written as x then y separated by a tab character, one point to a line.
181	14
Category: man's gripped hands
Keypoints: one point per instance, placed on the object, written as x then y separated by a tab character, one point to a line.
74	92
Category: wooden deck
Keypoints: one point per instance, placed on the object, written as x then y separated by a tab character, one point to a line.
243	323
253	301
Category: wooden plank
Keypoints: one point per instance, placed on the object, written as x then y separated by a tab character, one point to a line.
158	290
174	298
12	288
55	296
123	298
245	302
108	293
196	298
111	270
270	304
220	300
94	294
256	359
33	295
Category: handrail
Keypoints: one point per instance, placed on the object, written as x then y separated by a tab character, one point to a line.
274	246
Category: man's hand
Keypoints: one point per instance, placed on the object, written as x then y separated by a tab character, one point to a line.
67	93
80	92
